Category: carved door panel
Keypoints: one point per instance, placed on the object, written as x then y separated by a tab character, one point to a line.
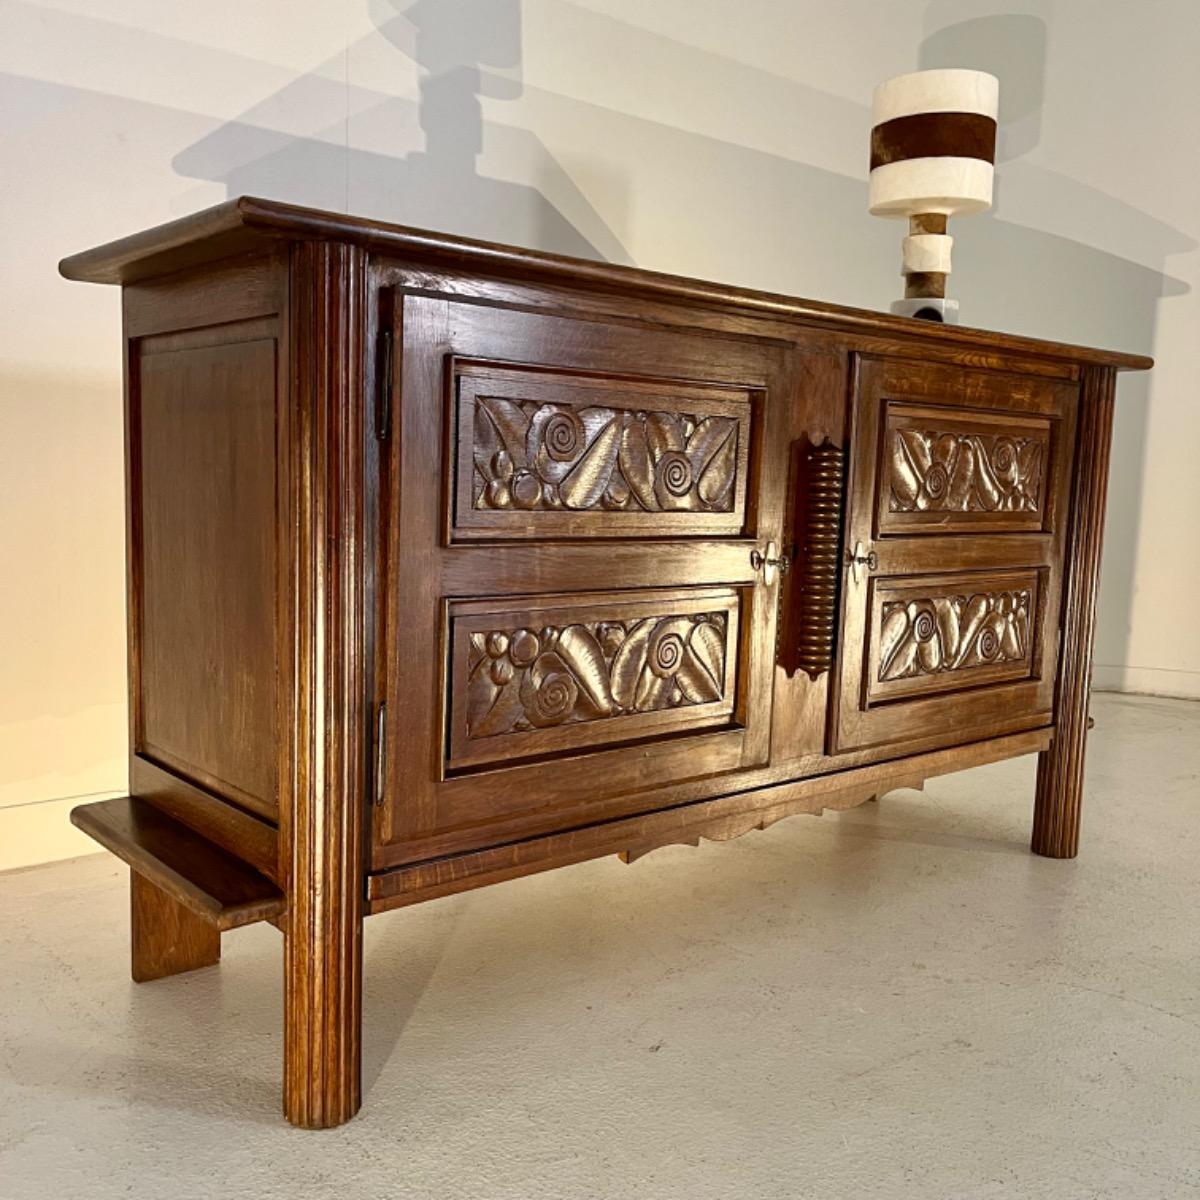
573	618
954	542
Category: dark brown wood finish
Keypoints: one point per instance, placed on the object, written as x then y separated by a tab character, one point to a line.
451	562
934	134
717	820
206	558
216	310
247	224
573	673
324	754
1059	797
954	545
809	636
640	446
209	882
166	937
253	839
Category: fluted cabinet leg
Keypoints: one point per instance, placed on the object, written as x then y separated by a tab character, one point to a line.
1059	796
324	765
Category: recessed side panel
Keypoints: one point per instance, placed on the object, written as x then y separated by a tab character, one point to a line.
934	635
204	559
550	454
551	675
953	471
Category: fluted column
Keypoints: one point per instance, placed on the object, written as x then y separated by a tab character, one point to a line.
325	772
1059	795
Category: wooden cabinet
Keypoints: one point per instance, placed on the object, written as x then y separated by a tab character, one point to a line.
572	507
450	562
955	530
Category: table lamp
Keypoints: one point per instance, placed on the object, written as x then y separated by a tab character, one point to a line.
933	145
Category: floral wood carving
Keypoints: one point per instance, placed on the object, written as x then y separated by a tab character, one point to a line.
953	633
557	456
935	471
523	679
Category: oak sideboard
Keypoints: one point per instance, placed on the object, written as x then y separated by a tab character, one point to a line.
450	562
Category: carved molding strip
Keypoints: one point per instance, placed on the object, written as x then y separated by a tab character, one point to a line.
523	679
736	825
939	471
953	633
533	456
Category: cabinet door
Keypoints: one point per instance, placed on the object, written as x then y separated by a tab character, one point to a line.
955	515
573	619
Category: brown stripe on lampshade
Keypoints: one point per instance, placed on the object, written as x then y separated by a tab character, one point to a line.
933	142
934	134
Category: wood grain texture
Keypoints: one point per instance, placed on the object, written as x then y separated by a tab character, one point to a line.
325	753
800	703
206	880
208	296
965	473
166	937
951	631
444	779
534	534
923	592
204	329
721	818
205	558
544	454
811	637
934	135
247	223
1059	797
571	673
246	836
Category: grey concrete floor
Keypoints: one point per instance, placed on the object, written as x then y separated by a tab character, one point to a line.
899	1002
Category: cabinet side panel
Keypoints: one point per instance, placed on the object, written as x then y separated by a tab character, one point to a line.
203	421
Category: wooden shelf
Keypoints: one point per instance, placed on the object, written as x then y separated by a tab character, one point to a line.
189	868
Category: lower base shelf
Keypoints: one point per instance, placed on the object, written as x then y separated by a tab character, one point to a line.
716	820
201	877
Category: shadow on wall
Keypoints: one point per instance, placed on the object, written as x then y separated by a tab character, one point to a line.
468	50
1010	271
706	203
1012	47
791	226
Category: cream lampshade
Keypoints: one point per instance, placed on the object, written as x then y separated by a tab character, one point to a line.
933	145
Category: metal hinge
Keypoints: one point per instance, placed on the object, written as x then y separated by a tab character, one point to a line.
380	753
383	413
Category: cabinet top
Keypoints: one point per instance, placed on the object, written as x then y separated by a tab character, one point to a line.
247	223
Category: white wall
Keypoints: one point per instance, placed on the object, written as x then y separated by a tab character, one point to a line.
719	138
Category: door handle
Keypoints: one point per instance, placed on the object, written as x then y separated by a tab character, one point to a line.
768	563
857	560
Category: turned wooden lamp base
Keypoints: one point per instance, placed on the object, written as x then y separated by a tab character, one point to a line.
926	267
